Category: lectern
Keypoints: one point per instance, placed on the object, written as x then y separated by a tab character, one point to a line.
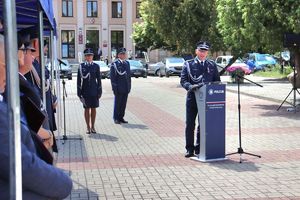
211	102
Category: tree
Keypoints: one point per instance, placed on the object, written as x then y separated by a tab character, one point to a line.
145	34
177	25
258	25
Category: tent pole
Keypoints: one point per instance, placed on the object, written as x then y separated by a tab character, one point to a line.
42	58
13	99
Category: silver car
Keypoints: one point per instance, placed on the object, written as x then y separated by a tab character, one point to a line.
104	69
153	68
171	66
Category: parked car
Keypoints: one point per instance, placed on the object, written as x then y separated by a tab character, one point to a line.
271	59
222	61
65	69
137	69
171	66
153	68
257	61
104	69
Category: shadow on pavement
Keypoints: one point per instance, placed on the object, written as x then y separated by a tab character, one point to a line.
82	192
277	80
135	126
102	136
72	149
234	164
271	111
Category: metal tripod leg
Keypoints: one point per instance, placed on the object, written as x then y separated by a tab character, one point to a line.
285	99
294	100
241	151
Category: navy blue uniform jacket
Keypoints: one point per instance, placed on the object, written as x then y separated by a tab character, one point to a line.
89	80
120	77
208	71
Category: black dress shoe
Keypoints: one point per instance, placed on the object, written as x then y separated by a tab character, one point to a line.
117	122
189	154
88	131
123	121
93	130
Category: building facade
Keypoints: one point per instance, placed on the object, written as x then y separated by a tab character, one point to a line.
104	25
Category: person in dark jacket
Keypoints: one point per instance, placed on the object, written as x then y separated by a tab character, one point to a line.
34	77
89	88
196	73
121	85
39	179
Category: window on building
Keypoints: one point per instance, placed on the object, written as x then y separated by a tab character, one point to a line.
117	41
68	44
67	8
92	41
116	9
92	9
138	14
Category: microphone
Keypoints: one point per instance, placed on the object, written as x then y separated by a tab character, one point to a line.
61	62
232	60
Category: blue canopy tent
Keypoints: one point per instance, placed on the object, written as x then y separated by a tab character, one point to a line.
19	14
27	12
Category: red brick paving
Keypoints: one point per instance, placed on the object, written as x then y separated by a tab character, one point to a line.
163	160
159	121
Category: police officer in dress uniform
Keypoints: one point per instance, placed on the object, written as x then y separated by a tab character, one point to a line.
196	73
89	88
33	76
121	84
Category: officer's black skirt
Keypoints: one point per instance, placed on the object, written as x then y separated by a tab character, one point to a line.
91	102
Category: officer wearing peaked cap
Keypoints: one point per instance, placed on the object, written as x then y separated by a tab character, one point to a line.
89	88
196	73
121	85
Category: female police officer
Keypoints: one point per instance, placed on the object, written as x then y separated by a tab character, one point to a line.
89	88
195	73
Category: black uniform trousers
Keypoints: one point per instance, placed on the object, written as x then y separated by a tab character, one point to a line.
120	105
191	114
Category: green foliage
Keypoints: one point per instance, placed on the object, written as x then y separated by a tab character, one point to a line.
145	34
275	72
257	25
177	25
241	26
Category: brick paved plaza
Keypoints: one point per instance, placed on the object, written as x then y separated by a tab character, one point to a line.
145	158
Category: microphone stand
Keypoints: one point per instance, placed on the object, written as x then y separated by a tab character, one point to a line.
240	149
64	112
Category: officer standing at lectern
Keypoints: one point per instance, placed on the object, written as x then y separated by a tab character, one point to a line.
121	85
196	73
89	88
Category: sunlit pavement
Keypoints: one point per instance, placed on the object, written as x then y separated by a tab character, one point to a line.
145	158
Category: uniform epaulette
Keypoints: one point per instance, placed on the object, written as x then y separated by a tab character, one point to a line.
210	61
190	60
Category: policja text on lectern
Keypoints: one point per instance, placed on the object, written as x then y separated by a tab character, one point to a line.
211	101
